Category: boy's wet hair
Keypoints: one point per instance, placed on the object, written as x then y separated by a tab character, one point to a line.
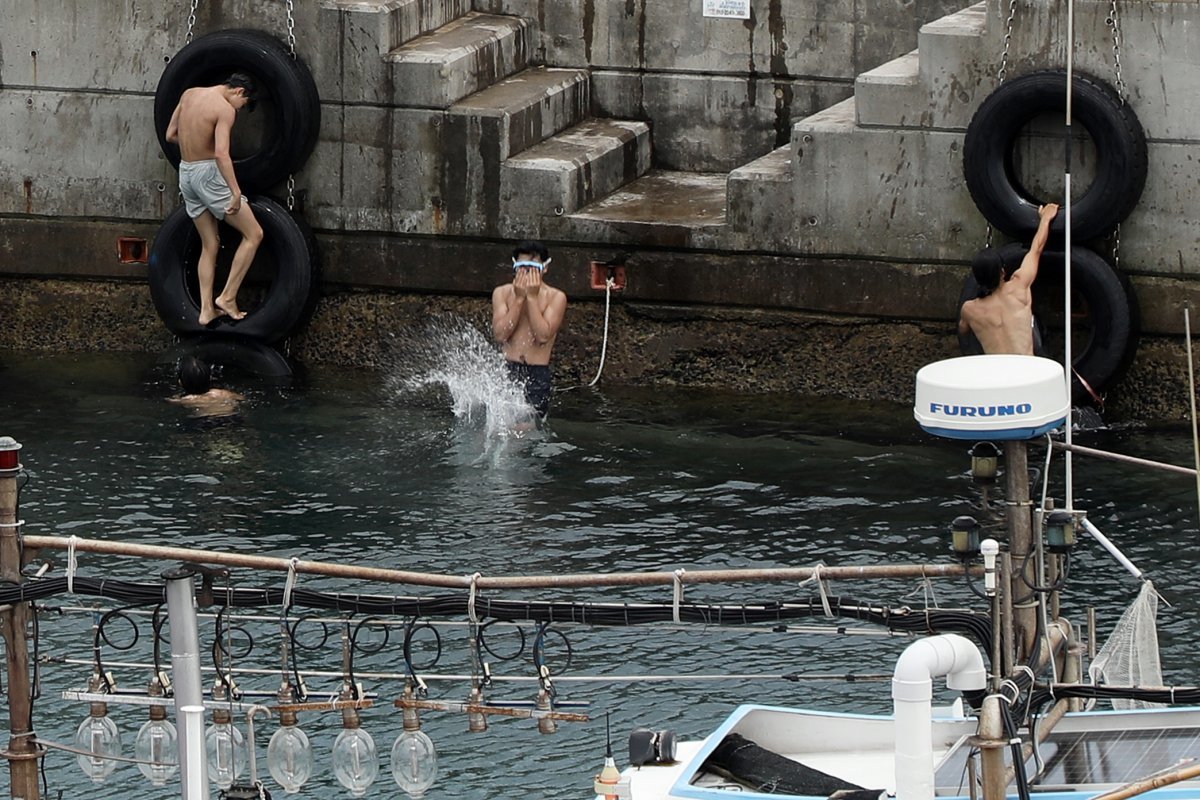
990	266
532	248
243	81
195	376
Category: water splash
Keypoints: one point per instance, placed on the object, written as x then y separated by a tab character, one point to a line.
449	352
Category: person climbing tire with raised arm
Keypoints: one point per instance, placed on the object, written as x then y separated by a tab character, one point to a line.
1001	317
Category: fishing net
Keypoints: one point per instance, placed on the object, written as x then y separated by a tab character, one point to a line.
1130	656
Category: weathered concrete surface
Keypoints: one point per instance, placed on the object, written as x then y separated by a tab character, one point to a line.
868	216
865	358
901	137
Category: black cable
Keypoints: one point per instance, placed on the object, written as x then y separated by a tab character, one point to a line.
354	647
975	625
99	635
1018	759
539	650
481	642
411	630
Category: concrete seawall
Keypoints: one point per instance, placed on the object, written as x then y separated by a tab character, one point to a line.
788	187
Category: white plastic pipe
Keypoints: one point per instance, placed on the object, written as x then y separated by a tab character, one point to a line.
1107	544
951	655
193	769
185	673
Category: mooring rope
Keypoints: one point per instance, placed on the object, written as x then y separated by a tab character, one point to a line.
609	284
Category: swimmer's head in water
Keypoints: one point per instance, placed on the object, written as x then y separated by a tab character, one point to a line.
992	265
195	376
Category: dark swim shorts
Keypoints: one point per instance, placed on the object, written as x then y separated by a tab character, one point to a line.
535	380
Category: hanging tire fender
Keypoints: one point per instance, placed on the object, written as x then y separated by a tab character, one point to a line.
247	357
288	113
989	154
287	255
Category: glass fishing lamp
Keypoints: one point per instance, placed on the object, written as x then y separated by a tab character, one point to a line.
355	760
156	744
98	735
224	744
289	753
414	758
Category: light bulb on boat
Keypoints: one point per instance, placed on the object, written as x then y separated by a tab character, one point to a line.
414	762
414	758
156	747
289	754
98	735
964	537
226	749
355	760
1060	531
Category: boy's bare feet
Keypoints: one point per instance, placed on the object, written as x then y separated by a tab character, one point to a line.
208	317
230	308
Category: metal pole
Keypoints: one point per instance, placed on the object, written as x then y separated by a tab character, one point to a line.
1068	357
663	578
189	692
1020	544
1124	459
22	753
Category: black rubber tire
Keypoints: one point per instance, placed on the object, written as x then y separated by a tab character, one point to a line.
285	263
1114	128
287	105
1110	308
248	358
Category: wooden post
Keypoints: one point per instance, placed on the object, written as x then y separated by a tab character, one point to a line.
22	752
991	742
1020	544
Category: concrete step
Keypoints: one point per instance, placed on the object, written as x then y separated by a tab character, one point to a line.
522	110
765	182
485	129
933	86
572	169
462	57
400	21
662	208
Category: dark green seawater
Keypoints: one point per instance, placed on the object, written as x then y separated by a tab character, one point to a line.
415	468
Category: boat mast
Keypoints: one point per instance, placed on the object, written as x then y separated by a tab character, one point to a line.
1067	365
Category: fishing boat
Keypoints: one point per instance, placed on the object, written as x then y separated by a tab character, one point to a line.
1033	714
1025	719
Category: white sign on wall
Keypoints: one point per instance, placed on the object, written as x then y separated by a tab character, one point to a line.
730	9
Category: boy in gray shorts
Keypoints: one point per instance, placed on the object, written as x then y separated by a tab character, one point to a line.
201	126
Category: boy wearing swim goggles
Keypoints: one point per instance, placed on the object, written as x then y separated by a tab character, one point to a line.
526	316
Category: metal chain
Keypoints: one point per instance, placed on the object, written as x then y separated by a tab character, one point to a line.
1116	248
291	28
191	21
1114	22
291	40
1003	72
1012	14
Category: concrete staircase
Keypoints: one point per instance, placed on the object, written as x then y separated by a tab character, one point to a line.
895	149
522	153
519	143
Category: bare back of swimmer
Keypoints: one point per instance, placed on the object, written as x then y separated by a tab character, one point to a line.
1002	316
